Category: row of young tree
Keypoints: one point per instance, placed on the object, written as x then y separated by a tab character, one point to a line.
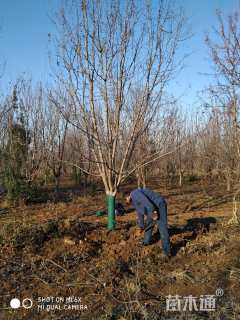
108	115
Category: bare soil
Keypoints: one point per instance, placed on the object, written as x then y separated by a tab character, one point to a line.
64	250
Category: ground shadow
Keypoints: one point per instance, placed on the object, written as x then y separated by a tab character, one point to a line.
130	210
190	231
44	194
214	202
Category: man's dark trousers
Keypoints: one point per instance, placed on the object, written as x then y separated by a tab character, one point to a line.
162	227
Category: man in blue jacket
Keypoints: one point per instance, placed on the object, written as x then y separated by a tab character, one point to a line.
147	203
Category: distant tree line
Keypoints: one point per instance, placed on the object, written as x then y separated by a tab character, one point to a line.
108	117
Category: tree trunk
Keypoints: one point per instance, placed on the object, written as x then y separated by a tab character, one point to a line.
111	211
45	180
57	184
138	181
141	177
228	184
85	183
144	177
180	178
77	176
228	180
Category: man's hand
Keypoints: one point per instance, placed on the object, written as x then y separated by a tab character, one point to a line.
139	232
155	215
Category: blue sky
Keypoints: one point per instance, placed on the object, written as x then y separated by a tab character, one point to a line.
25	25
202	17
24	46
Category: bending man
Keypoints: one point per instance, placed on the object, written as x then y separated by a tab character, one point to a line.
150	204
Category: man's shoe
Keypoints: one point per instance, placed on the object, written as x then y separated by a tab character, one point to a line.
145	244
164	257
142	243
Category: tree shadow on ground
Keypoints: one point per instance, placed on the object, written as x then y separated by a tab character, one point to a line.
44	194
130	210
189	232
211	202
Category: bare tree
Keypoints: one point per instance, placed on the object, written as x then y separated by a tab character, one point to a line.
34	106
115	60
56	132
78	154
225	55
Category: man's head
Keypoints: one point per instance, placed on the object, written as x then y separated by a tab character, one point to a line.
127	197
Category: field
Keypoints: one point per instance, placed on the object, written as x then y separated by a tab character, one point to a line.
63	250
